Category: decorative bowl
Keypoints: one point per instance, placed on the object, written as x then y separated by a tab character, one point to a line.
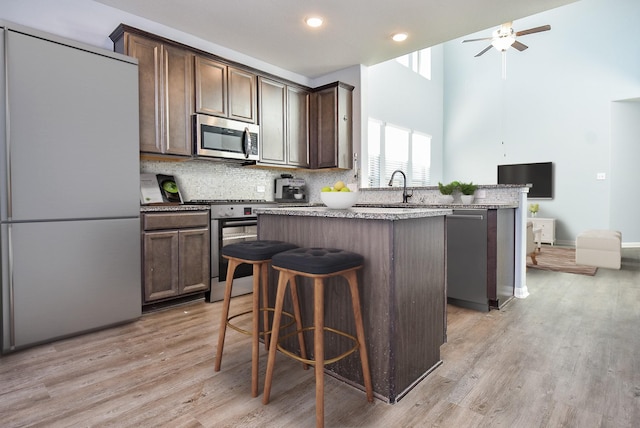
339	200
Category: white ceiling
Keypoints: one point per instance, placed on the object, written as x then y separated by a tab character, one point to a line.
355	31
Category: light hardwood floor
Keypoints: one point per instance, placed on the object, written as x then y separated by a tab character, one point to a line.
568	355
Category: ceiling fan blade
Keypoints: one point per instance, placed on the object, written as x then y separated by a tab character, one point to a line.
476	40
533	30
484	50
519	46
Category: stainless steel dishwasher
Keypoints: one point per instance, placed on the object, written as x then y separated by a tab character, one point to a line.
466	259
480	258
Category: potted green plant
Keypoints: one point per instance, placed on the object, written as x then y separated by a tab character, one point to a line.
467	190
446	190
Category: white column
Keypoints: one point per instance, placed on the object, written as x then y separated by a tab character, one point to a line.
521	290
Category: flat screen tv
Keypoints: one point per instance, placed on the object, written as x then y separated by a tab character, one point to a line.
538	175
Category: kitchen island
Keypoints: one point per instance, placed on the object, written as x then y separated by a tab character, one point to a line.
402	287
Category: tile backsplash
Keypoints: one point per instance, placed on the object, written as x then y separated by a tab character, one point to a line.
201	179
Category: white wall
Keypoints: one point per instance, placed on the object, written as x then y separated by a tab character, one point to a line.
401	97
555	105
625	174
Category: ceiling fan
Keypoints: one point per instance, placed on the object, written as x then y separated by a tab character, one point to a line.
505	37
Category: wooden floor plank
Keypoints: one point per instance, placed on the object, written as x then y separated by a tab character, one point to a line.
568	355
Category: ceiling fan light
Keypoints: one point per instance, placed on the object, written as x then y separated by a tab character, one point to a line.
503	40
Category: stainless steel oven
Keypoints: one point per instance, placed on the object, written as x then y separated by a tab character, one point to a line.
232	221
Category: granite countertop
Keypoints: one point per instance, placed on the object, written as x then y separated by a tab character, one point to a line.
172	207
365	213
483	206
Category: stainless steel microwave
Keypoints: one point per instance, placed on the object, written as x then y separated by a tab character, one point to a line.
226	139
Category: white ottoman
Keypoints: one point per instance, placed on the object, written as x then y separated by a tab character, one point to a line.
601	248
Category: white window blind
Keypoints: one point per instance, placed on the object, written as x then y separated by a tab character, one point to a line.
391	147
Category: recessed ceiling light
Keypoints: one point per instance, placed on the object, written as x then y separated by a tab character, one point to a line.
400	37
313	21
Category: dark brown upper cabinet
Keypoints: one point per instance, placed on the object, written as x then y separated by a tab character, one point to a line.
284	123
222	90
165	92
332	126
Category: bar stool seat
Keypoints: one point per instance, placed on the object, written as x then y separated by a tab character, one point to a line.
258	254
318	263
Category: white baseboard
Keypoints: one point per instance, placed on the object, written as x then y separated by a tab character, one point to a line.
573	244
631	245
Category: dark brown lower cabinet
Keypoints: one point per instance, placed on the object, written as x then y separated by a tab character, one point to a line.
175	254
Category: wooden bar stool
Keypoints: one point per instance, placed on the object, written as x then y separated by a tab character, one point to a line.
318	263
258	254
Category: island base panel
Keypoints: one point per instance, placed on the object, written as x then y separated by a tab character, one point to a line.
401	288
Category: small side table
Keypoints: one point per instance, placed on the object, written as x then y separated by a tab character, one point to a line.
544	230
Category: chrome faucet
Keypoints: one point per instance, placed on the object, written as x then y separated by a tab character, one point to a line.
405	196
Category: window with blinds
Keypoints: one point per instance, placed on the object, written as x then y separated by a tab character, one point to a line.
419	62
391	147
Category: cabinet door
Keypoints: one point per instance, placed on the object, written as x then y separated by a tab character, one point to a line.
194	260
161	265
326	109
297	126
344	119
148	53
211	87
166	91
242	95
272	121
332	127
178	101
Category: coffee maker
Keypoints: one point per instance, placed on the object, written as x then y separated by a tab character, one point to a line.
289	189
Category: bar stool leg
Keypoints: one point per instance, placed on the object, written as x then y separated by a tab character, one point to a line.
283	279
293	287
352	278
318	337
265	303
255	333
225	313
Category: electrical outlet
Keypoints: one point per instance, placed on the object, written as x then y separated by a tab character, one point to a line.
601	176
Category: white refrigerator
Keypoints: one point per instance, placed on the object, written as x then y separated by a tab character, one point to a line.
69	188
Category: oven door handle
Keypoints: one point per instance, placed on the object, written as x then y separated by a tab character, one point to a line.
231	223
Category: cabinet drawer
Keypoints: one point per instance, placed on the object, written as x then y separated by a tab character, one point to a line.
174	220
